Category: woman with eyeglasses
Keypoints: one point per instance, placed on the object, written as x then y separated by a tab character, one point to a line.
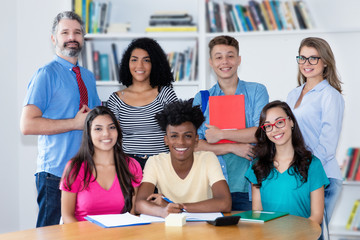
319	107
285	177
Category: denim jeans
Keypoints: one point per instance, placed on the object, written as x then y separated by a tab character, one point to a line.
240	201
332	193
48	199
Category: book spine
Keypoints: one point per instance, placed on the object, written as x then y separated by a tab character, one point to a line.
270	14
223	17
241	16
96	65
299	16
276	15
352	214
212	16
266	16
233	18
252	20
353	163
255	15
261	15
291	7
104	67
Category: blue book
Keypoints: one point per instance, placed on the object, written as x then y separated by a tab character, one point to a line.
241	16
104	67
276	14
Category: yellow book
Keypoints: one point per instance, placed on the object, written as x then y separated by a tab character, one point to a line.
172	29
352	214
78	7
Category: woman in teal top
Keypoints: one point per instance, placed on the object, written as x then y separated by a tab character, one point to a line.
286	177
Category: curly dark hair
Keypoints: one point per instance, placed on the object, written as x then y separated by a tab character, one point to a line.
160	69
86	153
265	149
178	112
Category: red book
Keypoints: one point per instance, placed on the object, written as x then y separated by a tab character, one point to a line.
227	112
353	164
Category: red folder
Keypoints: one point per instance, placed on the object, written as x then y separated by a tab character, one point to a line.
227	112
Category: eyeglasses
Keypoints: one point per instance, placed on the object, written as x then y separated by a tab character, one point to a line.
278	124
311	60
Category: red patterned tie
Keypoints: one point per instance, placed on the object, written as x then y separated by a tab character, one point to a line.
82	88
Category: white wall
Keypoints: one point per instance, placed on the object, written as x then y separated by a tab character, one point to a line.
25	46
9	137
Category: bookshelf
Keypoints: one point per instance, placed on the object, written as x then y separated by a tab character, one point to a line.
350	192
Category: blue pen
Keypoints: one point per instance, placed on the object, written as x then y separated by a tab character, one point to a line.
169	201
166	199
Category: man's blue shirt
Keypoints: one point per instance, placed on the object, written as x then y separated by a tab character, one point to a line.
54	90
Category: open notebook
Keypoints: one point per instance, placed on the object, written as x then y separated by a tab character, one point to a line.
116	220
190	217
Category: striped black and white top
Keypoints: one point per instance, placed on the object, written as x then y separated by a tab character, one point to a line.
141	132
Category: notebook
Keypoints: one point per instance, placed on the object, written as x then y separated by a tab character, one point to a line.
116	220
190	217
259	216
227	112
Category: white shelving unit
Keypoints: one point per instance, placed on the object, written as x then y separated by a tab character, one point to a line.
350	192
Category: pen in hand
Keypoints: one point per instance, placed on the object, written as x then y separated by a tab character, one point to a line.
169	201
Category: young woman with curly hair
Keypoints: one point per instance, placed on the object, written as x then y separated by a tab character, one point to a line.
146	73
285	177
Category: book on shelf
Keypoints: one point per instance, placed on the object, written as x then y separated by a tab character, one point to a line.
259	216
104	67
354	211
355	224
96	59
184	28
95	14
257	15
239	11
115	62
227	113
230	20
351	165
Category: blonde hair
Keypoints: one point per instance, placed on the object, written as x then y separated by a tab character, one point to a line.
330	73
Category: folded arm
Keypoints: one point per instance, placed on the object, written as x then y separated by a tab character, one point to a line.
214	134
32	122
220	202
244	150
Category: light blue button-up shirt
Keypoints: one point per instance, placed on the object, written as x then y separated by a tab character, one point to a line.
320	116
54	90
233	166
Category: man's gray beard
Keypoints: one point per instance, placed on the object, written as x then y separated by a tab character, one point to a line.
71	52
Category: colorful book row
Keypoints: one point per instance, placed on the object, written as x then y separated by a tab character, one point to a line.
257	16
95	14
184	64
351	169
353	222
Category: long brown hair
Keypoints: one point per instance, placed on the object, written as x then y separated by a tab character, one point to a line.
85	157
265	149
323	48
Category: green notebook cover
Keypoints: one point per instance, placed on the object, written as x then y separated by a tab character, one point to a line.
259	216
